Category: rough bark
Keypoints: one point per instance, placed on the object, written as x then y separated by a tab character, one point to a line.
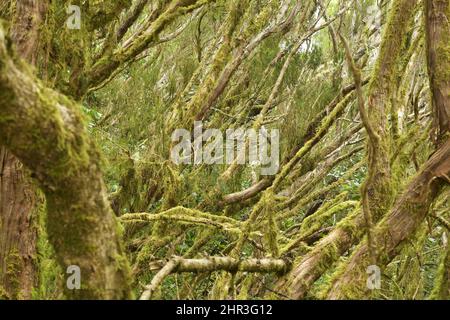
378	190
18	201
26	25
17	229
438	47
412	207
406	216
46	131
306	271
177	265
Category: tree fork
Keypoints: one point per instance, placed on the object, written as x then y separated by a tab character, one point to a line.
211	264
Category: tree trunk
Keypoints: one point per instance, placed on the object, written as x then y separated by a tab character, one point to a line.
18	200
406	216
412	207
438	48
378	187
17	229
46	131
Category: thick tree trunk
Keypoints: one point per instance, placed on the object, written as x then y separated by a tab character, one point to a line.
438	47
17	229
406	216
26	28
46	131
18	201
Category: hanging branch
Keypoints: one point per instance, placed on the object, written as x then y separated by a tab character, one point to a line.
374	140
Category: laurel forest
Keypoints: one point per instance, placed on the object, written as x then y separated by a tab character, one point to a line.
225	149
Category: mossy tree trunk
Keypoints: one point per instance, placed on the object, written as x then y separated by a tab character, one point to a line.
441	290
404	219
412	207
84	76
17	229
18	200
378	188
46	131
437	17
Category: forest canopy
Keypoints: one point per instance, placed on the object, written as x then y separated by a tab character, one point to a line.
225	149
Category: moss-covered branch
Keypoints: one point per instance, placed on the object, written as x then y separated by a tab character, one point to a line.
211	264
186	215
406	216
104	67
437	14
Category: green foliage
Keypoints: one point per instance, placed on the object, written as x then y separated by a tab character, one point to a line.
242	64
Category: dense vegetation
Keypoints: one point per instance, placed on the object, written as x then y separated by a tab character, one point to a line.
360	94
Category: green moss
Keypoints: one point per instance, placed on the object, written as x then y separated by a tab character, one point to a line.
314	222
441	290
14	266
51	276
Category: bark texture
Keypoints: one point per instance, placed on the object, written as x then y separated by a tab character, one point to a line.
378	186
404	219
46	131
18	200
413	206
438	47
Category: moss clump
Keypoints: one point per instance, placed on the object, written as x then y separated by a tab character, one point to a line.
441	290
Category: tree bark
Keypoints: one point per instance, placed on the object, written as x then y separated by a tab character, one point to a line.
211	264
46	131
438	48
378	186
18	200
178	265
412	207
407	215
18	272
